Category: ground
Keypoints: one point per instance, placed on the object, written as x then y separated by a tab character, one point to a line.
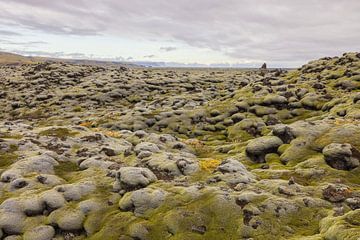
108	152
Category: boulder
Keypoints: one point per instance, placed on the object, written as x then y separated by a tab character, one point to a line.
33	206
336	193
90	205
353	203
75	191
40	164
275	100
67	219
172	164
96	162
283	132
259	147
341	156
42	232
53	199
142	200
233	172
49	179
11	222
146	146
131	178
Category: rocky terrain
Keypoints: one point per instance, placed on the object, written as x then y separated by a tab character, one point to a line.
92	152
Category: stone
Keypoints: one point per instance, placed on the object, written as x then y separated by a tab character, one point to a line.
12	222
41	232
39	164
283	132
276	100
74	192
230	166
131	178
146	146
341	156
53	199
49	179
142	200
13	237
33	206
67	219
18	183
95	162
89	205
336	193
353	202
233	172
187	166
259	147
172	164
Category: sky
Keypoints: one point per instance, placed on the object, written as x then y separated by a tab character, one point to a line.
281	33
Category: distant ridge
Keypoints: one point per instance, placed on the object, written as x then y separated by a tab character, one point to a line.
7	58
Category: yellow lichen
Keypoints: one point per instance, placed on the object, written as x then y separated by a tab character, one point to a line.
209	164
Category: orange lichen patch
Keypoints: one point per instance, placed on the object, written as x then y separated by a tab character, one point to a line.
209	164
108	133
340	121
113	134
87	124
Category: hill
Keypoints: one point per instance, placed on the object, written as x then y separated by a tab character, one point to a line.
16	59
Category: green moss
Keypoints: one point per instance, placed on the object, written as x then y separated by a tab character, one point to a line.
6	159
292	75
65	169
342	133
77	109
238	135
342	227
58	132
273	159
219	219
10	136
296	153
283	148
113	225
134	99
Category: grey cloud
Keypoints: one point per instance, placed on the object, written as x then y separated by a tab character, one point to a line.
149	56
168	49
57	17
276	31
9	33
73	55
38	53
24	44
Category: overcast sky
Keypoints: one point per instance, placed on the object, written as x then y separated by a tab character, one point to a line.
279	32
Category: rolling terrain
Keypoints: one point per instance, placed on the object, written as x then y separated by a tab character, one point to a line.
94	151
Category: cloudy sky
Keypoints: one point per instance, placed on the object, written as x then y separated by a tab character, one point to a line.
246	32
